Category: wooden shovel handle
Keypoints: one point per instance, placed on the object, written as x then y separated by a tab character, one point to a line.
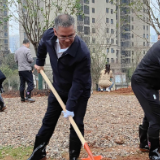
63	107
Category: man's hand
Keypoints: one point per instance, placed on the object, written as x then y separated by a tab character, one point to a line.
67	113
38	68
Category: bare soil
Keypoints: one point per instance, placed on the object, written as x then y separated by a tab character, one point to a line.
135	153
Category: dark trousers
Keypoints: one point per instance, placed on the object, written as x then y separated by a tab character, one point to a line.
149	100
54	111
26	76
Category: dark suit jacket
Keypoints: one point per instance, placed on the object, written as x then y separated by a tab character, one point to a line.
148	70
71	72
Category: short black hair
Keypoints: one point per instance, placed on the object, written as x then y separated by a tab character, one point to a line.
25	41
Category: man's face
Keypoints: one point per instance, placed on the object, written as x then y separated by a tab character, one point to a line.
28	45
65	35
158	37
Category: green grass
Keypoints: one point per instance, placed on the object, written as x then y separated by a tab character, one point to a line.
20	153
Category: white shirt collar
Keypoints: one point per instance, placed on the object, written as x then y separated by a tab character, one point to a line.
59	50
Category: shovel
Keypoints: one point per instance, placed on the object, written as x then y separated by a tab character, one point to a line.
84	143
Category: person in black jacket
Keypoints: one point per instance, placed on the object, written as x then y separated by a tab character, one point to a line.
2	104
146	85
70	62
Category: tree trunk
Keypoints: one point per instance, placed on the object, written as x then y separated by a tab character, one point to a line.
40	79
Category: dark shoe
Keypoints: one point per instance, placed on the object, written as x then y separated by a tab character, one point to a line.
154	153
39	151
28	97
143	139
2	105
74	149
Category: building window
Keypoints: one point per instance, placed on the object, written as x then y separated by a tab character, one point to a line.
143	52
147	36
132	19
79	18
86	20
111	11
80	28
107	50
107	1
93	1
93	30
108	40
147	27
5	34
86	30
111	1
112	41
132	43
93	40
112	31
5	41
86	1
107	30
117	53
25	35
5	13
116	42
144	27
107	10
86	9
112	60
107	20
111	21
132	27
93	20
107	60
94	50
112	50
143	43
93	10
143	35
132	35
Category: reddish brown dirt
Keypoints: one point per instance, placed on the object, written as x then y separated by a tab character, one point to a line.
45	92
35	93
132	157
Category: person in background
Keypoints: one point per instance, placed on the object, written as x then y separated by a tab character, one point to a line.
105	80
24	59
2	104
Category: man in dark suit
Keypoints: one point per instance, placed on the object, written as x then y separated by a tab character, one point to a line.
146	85
70	62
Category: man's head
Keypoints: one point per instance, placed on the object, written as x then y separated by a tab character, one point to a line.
158	37
26	43
64	29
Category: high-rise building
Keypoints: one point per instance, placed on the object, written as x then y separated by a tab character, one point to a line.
4	40
135	35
